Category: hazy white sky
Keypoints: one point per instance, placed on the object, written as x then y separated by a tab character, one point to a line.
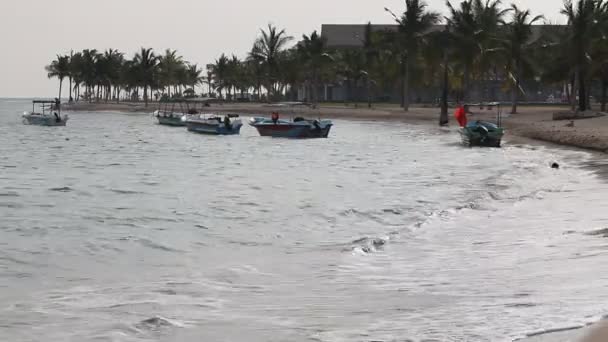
32	32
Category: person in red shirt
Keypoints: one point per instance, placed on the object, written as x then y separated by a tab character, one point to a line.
461	115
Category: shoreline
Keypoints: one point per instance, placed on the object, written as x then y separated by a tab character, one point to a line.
534	125
594	332
532	122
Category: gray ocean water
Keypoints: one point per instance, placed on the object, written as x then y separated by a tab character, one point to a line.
117	229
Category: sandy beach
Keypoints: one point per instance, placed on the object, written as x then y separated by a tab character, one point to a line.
534	122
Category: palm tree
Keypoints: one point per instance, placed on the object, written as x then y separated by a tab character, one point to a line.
257	66
267	48
473	27
414	23
582	28
314	56
147	64
170	65
114	61
88	70
516	39
59	68
76	66
193	76
233	76
370	54
351	66
209	79
219	70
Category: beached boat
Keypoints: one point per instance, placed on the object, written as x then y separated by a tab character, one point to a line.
214	124
481	133
48	114
484	133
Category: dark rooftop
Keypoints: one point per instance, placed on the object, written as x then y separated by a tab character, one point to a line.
351	36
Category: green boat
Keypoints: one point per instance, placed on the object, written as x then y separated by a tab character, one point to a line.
481	133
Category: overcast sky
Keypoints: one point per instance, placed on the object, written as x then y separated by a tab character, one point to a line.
34	31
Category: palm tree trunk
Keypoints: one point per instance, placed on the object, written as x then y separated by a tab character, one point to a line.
443	118
514	99
369	92
582	93
70	99
146	95
60	85
604	93
406	86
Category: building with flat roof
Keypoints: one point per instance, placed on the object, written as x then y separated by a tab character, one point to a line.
347	36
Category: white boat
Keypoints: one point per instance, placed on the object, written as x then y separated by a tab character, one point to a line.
214	124
48	114
174	112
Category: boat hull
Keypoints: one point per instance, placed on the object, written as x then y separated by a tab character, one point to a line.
211	129
170	121
292	131
44	120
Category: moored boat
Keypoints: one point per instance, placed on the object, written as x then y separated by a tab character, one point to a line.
175	112
169	118
298	128
214	124
49	114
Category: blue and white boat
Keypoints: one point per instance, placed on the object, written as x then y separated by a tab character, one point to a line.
214	124
48	114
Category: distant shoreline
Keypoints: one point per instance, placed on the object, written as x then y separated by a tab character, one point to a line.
533	122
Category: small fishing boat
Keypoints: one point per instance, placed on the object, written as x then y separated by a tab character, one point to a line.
174	112
483	133
170	113
169	118
214	124
48	114
298	128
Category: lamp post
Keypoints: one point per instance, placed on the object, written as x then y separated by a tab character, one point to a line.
443	117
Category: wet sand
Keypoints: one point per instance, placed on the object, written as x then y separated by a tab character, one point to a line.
533	122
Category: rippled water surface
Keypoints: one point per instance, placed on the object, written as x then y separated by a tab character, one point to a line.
117	229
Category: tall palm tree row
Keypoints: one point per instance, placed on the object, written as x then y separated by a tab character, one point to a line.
110	76
478	47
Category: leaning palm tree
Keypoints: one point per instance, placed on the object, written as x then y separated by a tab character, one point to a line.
517	38
414	23
59	68
267	48
147	64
